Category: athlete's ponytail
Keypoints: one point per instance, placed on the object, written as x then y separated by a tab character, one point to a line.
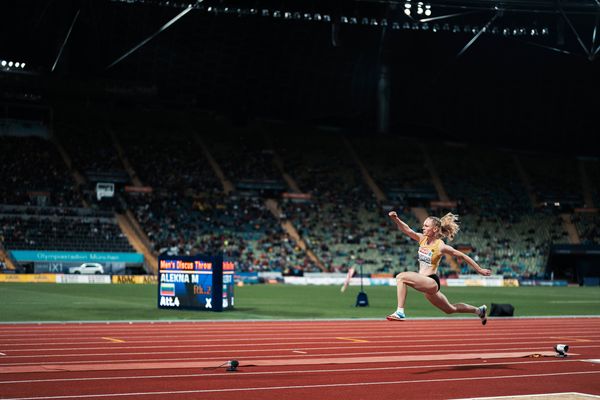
448	225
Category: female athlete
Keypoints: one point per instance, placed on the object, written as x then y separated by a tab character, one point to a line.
431	249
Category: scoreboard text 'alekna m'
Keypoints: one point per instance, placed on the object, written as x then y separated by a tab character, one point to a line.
197	282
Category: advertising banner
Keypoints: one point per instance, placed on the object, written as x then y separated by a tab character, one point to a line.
103	279
135	279
28	278
75	256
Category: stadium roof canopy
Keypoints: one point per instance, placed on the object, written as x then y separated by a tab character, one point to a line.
510	68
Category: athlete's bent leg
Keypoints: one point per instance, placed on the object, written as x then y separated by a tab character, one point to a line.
420	282
439	300
415	280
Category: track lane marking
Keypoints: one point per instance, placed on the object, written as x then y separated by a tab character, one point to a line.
353	340
294	387
308	328
246	338
572	339
132	345
373	346
113	340
349	358
548	396
309	371
416	353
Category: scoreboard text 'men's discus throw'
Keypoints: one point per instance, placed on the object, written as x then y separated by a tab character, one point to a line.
195	283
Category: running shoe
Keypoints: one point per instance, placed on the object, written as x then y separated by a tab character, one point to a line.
483	314
396	316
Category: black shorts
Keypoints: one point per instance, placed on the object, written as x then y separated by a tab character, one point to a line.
436	279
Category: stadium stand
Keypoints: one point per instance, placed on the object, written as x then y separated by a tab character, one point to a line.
588	227
34	228
33	173
324	184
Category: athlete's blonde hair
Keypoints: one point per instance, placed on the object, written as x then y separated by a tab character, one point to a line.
448	225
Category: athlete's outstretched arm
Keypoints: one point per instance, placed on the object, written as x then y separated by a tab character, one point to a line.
404	227
462	256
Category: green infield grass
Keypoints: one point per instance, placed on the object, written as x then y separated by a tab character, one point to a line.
129	302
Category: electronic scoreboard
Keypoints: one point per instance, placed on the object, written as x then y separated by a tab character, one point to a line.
196	283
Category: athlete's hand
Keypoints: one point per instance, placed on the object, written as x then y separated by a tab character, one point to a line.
485	272
393	214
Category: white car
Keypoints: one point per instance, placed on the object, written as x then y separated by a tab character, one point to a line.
88	268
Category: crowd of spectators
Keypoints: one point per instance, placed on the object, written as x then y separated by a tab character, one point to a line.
243	157
588	227
33	173
342	223
397	165
338	217
166	157
90	147
242	228
501	224
592	170
39	232
554	178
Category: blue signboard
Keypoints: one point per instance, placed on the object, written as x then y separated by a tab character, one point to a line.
75	256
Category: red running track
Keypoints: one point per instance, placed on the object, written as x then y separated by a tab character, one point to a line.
342	359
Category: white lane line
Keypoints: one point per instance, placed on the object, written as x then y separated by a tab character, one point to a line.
310	371
459	322
337	354
284	323
61	326
294	387
571	339
574	301
294	336
375	346
500	324
244	346
560	395
226	330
